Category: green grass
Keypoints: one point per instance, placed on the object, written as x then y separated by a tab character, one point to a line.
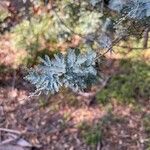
130	84
92	135
5	69
146	123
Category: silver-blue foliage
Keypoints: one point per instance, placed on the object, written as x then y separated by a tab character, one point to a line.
94	2
73	70
79	70
46	77
140	9
137	9
105	41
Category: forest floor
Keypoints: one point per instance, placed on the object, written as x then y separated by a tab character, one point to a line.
115	117
67	121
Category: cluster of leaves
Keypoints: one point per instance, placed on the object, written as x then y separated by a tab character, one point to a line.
73	70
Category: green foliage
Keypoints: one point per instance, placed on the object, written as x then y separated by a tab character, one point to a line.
28	34
88	22
3	15
94	135
51	30
132	82
91	135
4	69
146	123
48	27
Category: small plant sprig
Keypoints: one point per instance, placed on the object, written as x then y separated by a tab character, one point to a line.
73	70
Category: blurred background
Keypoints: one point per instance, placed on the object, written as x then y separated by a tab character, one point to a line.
114	114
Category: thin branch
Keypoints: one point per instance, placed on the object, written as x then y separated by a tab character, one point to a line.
7	141
116	41
10	130
14	79
34	94
138	48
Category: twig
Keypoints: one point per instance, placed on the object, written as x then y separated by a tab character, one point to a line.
35	94
104	82
14	79
98	146
6	141
116	41
86	94
10	130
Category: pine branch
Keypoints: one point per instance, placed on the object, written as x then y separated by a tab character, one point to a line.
73	70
